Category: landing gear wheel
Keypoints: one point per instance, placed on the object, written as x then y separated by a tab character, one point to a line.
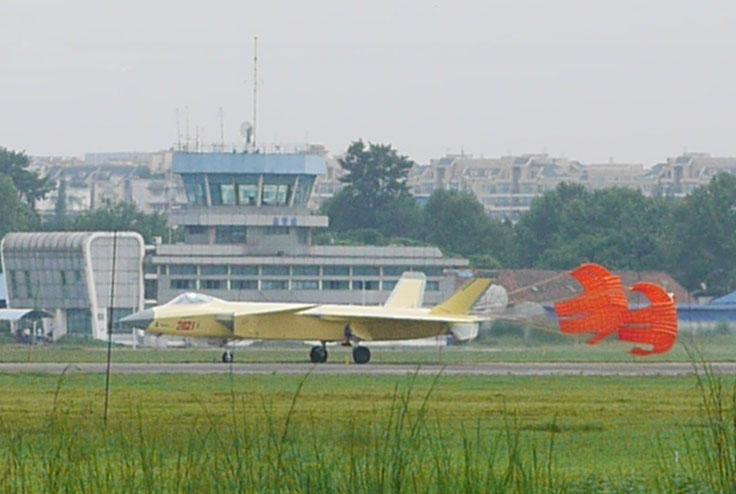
361	355
227	357
318	355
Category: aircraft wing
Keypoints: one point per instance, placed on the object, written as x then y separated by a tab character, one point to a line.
271	309
357	313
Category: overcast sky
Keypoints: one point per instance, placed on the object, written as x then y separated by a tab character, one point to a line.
634	80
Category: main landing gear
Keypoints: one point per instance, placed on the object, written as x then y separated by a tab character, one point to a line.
227	357
361	355
318	354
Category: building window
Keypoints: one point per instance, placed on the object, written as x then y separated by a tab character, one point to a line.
29	286
305	285
302	236
277	230
244	270
244	284
389	285
305	270
275	270
79	322
195	192
196	230
162	269
276	195
274	285
14	282
183	284
366	271
248	194
365	285
230	235
63	278
336	270
212	284
335	285
430	270
433	286
214	270
227	194
182	269
395	270
78	276
150	289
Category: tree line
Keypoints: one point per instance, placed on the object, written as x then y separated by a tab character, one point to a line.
694	239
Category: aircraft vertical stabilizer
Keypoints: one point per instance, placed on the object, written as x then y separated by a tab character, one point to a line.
408	292
463	301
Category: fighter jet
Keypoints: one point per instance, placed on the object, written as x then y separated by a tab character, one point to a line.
195	315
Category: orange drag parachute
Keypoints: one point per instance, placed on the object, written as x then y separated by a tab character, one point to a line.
655	325
599	309
603	310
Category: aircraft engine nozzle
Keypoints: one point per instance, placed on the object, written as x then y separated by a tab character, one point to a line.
464	331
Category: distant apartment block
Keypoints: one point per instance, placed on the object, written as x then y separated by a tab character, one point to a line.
506	186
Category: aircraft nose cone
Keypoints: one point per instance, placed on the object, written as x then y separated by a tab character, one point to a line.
139	320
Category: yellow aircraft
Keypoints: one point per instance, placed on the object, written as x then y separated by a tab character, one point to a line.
195	315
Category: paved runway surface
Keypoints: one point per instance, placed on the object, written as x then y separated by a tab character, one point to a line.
498	369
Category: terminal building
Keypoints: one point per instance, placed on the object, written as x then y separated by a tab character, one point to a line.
249	236
68	275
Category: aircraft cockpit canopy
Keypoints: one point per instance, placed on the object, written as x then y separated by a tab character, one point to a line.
191	298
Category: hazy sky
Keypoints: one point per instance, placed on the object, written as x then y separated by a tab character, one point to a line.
635	80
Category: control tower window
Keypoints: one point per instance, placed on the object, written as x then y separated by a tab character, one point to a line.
248	194
227	193
276	195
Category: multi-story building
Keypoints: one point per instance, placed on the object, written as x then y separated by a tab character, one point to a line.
70	276
505	186
248	236
679	176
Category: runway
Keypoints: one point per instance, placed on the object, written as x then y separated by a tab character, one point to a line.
489	370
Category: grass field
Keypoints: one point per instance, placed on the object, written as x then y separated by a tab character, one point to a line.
360	434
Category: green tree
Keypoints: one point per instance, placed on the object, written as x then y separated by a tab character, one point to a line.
704	237
29	185
617	227
16	214
375	195
458	224
123	217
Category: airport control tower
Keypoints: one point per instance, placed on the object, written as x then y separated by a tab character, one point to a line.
248	236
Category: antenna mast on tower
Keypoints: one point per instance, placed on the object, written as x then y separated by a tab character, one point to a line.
255	88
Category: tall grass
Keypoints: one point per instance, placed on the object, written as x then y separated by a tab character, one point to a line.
256	448
707	460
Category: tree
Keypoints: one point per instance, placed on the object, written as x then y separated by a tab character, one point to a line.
617	227
376	196
60	206
29	185
458	224
122	217
16	214
704	237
